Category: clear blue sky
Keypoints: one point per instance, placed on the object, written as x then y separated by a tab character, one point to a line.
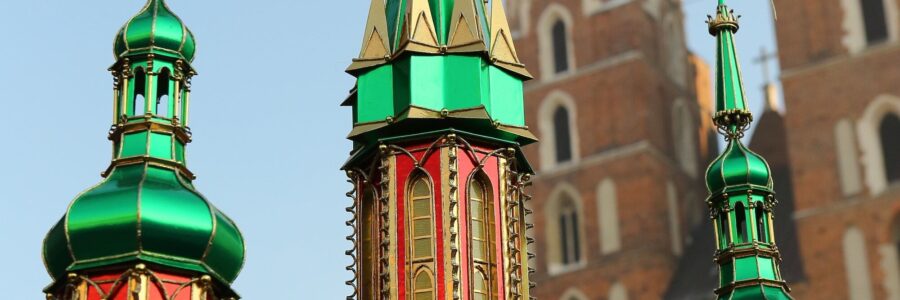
268	131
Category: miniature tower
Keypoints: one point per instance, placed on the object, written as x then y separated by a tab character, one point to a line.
144	232
438	173
741	200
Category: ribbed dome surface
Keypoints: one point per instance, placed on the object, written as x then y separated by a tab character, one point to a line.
155	29
149	214
738	167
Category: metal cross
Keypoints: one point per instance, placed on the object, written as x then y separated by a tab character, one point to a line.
764	58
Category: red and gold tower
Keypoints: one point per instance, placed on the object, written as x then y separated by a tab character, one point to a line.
439	177
145	232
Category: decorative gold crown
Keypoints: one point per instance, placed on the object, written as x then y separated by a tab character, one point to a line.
724	19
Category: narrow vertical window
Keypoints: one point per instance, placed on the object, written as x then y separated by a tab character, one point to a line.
569	235
481	225
562	135
421	238
724	230
741	222
423	286
138	104
890	147
875	21
762	230
368	231
560	47
162	94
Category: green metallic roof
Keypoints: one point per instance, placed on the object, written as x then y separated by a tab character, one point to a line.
738	168
144	213
155	29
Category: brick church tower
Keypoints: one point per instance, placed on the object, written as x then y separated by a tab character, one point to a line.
618	182
840	70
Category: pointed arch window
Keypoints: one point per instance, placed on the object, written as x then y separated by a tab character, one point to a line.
560	47
570	238
369	233
875	20
138	103
762	220
481	212
889	132
162	94
423	286
741	221
562	135
420	235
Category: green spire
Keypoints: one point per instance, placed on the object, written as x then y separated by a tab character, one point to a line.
147	209
741	201
438	65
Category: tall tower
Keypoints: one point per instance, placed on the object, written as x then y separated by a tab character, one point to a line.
144	232
741	200
438	173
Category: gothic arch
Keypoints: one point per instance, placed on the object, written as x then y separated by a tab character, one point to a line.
868	131
564	233
553	14
546	115
608	215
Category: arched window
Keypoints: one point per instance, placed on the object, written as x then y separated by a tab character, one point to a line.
607	204
423	286
724	231
421	237
570	239
560	47
138	104
741	221
762	228
890	147
162	94
368	235
873	12
481	224
562	135
573	294
857	265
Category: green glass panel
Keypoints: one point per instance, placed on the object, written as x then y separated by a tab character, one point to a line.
774	293
427	81
726	274
746	268
174	220
161	145
395	9
441	11
140	30
766	268
747	293
168	32
485	30
56	252
463	84
135	144
375	98
401	84
179	151
506	103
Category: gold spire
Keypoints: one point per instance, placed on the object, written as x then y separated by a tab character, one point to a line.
503	50
419	34
465	33
375	49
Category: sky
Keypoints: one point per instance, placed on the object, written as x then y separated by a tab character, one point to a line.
269	134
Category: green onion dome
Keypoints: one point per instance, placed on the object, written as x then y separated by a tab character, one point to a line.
144	213
738	168
155	29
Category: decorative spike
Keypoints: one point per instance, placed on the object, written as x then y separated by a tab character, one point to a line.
465	33
503	51
375	48
419	31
